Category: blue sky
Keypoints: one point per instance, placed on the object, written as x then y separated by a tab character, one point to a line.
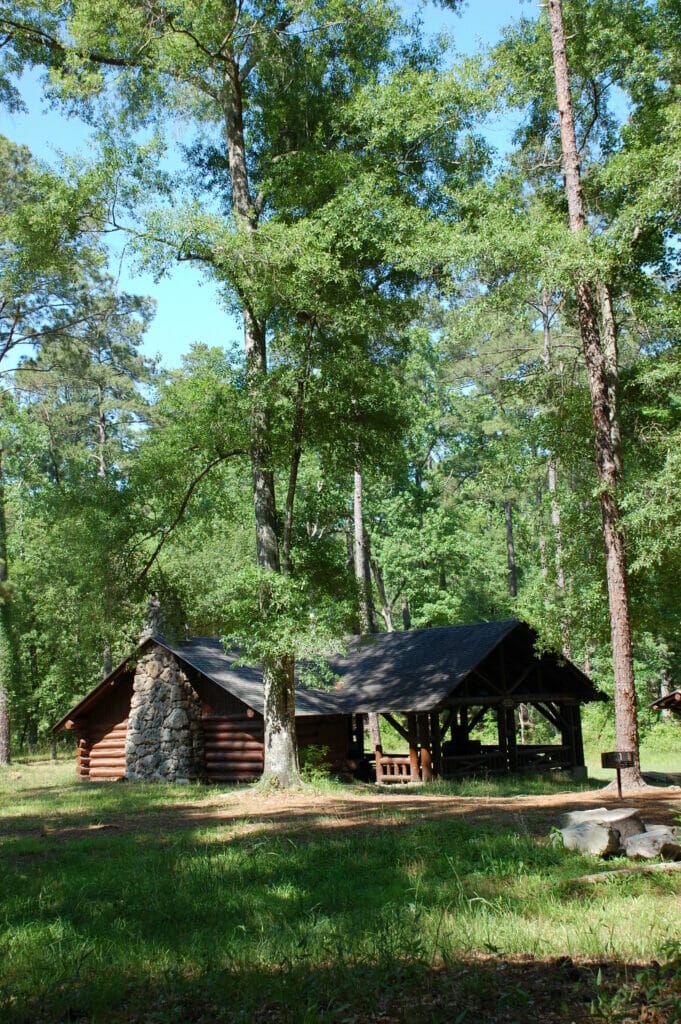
188	309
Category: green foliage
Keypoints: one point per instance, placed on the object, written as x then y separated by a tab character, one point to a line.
287	618
415	299
295	916
314	764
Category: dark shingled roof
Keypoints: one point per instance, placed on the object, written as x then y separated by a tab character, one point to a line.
414	670
208	656
408	671
670	702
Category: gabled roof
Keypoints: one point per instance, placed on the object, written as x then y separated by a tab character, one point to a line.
409	671
208	656
414	670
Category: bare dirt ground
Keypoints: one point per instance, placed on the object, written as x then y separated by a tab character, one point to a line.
300	811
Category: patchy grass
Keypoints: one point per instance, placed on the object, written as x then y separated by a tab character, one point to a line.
514	785
660	749
163	904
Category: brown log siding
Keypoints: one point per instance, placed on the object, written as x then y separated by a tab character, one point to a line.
234	747
101	736
101	752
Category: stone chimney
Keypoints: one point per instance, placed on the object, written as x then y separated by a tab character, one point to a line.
152	624
164	741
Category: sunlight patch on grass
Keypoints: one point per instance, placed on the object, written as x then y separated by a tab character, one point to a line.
230	908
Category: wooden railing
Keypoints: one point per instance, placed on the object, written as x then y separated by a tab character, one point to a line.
392	768
534	758
488	760
491	760
479	762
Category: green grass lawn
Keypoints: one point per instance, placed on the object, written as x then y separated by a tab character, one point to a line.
261	921
660	750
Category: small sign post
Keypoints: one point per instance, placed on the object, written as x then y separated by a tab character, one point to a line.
618	759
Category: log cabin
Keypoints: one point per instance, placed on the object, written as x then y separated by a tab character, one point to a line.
189	711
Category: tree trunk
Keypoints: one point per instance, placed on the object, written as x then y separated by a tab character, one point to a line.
558	543
4	717
101	435
281	751
552	471
612	370
386	609
510	550
6	639
552	474
543	560
349	546
296	453
368	623
626	724
31	716
366	602
406	615
665	690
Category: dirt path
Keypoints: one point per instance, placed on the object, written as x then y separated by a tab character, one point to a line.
301	811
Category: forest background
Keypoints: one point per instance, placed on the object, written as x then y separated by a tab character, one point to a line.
411	292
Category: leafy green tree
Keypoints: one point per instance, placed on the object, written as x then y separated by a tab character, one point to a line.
305	188
77	418
48	248
523	254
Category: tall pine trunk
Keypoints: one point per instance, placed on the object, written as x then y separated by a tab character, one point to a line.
552	475
367	613
281	751
626	724
386	606
510	549
609	328
6	639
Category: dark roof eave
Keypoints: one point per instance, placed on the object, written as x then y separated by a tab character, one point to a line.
669	702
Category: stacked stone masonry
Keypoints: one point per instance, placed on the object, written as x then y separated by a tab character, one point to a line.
164	740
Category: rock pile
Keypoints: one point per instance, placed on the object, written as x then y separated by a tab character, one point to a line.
621	831
164	741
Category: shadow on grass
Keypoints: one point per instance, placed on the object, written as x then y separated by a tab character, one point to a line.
160	809
329	924
492	990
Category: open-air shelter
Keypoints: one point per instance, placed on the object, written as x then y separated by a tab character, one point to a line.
436	686
191	710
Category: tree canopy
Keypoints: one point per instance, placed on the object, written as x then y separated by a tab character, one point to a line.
413	310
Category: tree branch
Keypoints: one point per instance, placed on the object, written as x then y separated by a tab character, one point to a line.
165	534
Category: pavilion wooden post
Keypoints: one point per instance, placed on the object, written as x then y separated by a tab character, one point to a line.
501	733
463	718
436	743
356	733
378	750
413	747
426	756
571	733
511	741
507	739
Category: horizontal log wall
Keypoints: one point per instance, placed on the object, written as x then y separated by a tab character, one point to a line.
331	731
234	746
101	753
